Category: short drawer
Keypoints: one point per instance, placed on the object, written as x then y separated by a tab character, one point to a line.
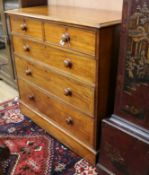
27	26
28	48
77	65
72	121
74	92
71	37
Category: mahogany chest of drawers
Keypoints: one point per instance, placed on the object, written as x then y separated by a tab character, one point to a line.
64	59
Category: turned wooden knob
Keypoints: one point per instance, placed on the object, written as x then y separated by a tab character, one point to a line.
67	92
67	63
28	72
31	97
69	121
64	39
23	27
26	48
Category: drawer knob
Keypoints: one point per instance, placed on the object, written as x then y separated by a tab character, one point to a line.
64	39
67	92
31	97
23	27
67	63
26	48
28	72
69	121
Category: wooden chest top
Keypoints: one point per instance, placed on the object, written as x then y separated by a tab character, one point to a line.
78	16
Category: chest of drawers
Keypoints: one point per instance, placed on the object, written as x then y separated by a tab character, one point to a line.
64	58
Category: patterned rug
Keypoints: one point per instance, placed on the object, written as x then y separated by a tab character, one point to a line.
32	150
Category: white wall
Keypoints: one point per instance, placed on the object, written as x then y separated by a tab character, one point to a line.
98	4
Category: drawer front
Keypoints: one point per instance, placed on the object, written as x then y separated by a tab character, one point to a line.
73	92
70	37
29	48
74	122
27	26
73	64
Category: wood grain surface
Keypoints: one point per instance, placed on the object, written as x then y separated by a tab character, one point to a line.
82	96
33	27
58	133
78	64
76	123
73	15
54	32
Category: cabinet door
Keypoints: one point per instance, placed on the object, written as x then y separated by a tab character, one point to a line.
3	50
5	61
3	44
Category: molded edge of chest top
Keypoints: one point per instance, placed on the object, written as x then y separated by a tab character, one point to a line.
74	15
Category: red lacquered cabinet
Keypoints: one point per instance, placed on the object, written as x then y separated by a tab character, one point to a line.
124	148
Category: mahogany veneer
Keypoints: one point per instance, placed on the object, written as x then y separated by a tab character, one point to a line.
64	60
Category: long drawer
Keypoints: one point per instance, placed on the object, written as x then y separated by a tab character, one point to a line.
27	26
71	120
71	91
73	64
